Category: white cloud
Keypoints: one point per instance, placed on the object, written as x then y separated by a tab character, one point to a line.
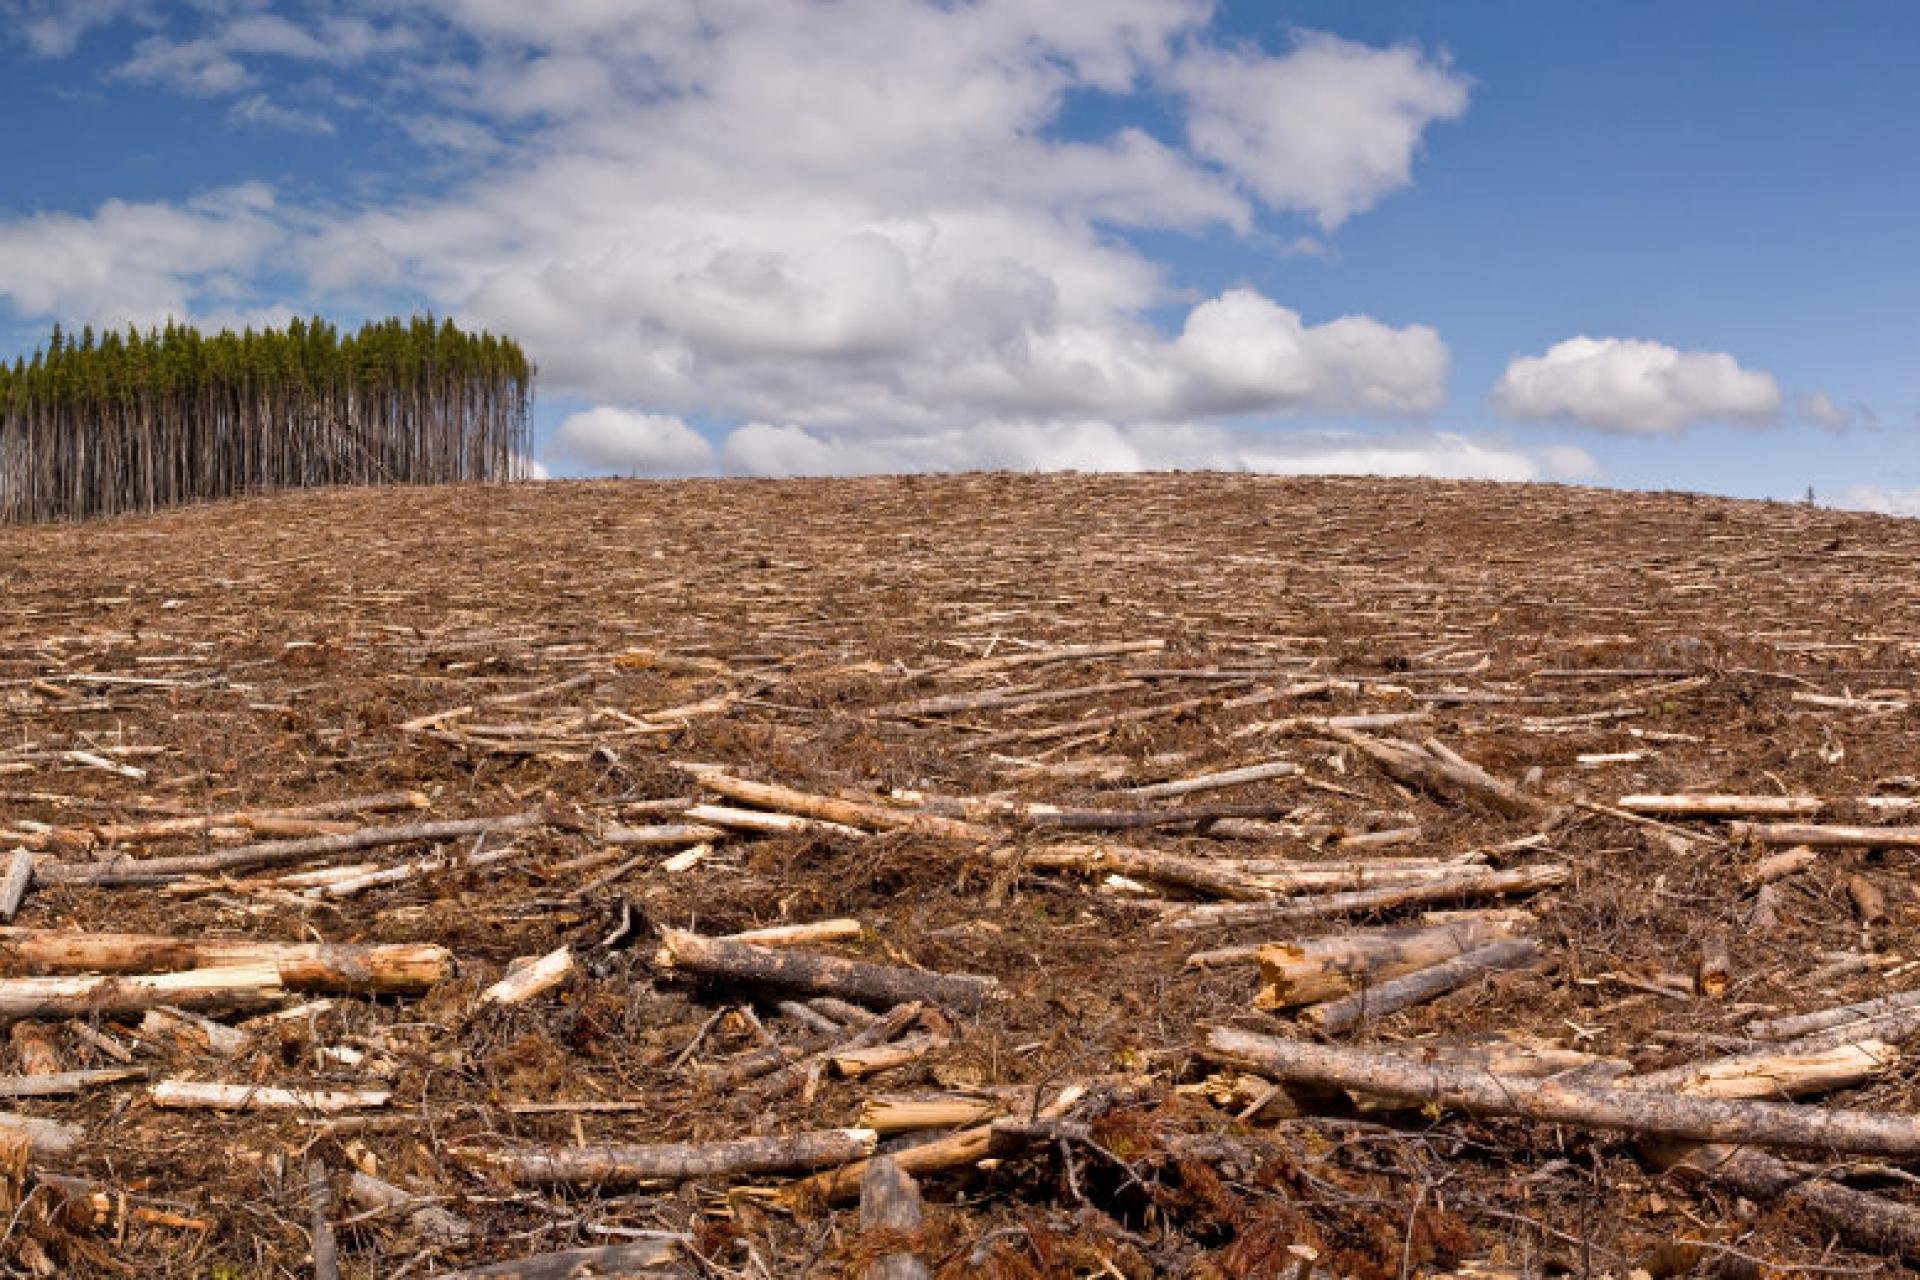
1329	128
860	223
54	28
763	449
260	111
1822	410
1634	386
630	443
139	263
1873	497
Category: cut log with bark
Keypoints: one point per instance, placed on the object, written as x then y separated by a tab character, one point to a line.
15	883
278	853
1195	874
1658	1115
1403	992
665	835
60	1083
1723	806
1802	1024
1826	837
1319	969
35	1049
851	813
229	987
1470	885
800	935
892	1113
639	1260
47	1137
1239	777
766	823
349	968
890	1204
782	969
600	1164
531	980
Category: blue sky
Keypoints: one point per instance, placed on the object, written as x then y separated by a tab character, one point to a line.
1648	244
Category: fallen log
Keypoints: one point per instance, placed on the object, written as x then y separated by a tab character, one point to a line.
1655	1115
352	968
46	1137
16	882
665	835
1167	868
761	822
212	1095
1826	837
230	987
1863	1220
1471	884
64	1082
1297	973
1434	769
1214	781
856	980
1774	1073
601	1164
890	1203
277	853
1046	657
874	1033
35	1048
435	1224
799	935
639	1260
851	813
1801	1024
531	980
1421	985
1723	806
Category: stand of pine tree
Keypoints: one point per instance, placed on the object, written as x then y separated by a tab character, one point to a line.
137	421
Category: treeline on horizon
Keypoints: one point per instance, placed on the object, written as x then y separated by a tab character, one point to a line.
137	421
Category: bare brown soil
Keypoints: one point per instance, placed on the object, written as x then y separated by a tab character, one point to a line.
285	644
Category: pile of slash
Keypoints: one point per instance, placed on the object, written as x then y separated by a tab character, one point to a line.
986	876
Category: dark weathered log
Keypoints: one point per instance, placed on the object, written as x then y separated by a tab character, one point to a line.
604	1163
1863	1220
1643	1114
1472	883
788	970
640	1260
1421	985
326	1253
278	853
1442	772
435	1224
890	1202
355	968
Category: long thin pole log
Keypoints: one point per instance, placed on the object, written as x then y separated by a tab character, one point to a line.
851	813
640	1260
277	853
361	968
1471	884
1297	973
602	1164
1721	806
1649	1115
232	987
856	980
1834	837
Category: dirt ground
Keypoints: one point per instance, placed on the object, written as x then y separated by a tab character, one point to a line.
284	651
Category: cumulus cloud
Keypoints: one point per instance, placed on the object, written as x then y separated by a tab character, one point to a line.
1634	386
54	28
1328	128
859	225
139	263
621	440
